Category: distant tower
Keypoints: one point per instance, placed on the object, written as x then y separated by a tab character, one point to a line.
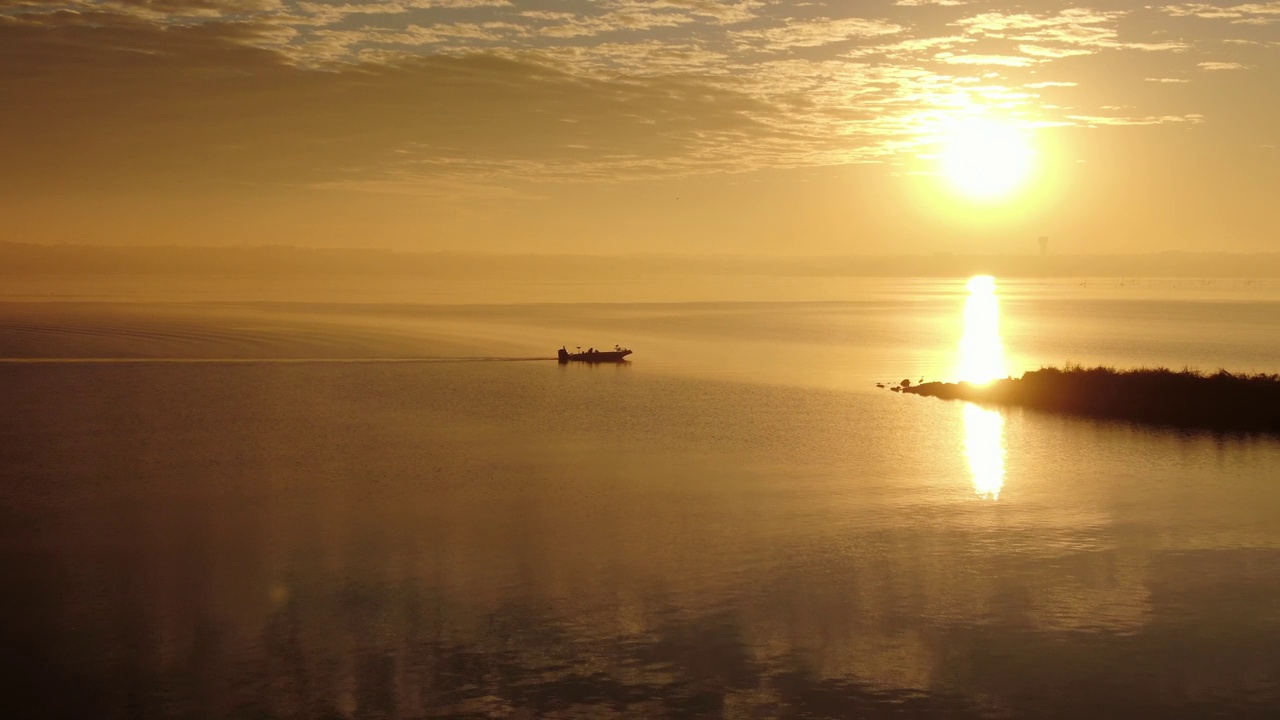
1044	245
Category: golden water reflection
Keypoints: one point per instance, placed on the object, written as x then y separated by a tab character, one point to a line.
981	361
981	352
984	449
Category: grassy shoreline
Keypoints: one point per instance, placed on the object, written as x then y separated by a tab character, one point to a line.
1188	399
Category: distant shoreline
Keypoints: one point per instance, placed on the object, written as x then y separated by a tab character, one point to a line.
28	259
1221	401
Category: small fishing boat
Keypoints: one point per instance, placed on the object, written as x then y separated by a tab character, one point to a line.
592	355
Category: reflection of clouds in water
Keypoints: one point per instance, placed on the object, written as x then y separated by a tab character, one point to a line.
912	623
1098	591
531	658
984	449
525	660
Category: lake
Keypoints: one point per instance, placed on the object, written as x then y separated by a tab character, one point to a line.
247	502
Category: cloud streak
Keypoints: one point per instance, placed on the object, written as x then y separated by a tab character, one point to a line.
1243	14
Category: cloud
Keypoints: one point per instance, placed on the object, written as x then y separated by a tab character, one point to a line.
812	33
1096	120
1055	53
242	115
620	16
910	48
727	13
1073	25
165	12
1247	13
1073	31
325	14
274	100
386	91
1004	60
1215	66
634	59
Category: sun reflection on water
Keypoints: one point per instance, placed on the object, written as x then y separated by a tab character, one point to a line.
984	449
982	361
981	352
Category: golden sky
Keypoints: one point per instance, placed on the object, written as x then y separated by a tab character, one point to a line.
699	126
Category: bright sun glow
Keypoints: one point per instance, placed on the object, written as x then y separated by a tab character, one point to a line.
986	159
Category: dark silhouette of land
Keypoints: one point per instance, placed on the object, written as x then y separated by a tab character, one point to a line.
1222	401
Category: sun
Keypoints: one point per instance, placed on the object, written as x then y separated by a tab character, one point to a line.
986	159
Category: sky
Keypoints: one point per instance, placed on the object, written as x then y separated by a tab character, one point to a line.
620	126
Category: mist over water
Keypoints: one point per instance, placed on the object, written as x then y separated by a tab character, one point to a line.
735	524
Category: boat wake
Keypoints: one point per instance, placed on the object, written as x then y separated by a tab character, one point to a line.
256	361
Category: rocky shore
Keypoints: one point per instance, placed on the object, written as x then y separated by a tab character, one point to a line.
1220	401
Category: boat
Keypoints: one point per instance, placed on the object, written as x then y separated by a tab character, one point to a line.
591	355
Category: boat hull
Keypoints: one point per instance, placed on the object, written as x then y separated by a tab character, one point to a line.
611	356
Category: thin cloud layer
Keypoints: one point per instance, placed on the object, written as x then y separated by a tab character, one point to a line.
1243	14
415	93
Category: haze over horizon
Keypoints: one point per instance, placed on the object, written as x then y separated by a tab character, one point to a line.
693	126
44	262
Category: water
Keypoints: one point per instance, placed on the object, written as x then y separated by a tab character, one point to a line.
736	524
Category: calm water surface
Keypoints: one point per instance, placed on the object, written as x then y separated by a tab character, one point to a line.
736	524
